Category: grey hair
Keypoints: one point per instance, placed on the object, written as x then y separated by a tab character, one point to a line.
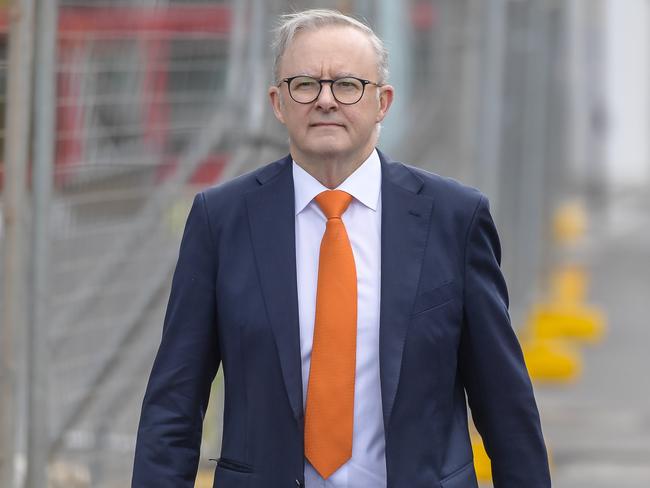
292	24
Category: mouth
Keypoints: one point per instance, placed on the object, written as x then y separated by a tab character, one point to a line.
325	124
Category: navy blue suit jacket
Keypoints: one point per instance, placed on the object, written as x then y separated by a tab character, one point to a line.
445	334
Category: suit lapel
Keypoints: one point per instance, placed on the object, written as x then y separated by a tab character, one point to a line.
272	221
405	223
404	227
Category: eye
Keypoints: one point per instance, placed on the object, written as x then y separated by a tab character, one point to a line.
304	83
348	84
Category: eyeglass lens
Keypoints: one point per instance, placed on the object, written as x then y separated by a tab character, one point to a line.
305	89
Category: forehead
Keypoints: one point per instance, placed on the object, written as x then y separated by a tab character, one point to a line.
330	51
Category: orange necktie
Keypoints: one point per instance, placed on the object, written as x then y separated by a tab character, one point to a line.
330	392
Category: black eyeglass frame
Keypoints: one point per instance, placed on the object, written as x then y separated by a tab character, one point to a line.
331	82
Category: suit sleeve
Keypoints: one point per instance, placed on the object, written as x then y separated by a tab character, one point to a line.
169	434
491	364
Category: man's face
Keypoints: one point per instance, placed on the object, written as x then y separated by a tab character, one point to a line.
325	128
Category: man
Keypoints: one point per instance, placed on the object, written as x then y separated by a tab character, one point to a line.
352	301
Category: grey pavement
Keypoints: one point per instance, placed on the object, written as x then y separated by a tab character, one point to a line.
598	430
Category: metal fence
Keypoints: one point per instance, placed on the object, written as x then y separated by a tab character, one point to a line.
154	100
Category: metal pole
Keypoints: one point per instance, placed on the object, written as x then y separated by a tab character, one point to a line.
257	68
392	24
44	133
12	395
534	135
578	110
490	117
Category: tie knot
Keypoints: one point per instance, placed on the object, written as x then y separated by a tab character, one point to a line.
333	203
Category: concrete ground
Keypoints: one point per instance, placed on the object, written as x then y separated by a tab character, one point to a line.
598	430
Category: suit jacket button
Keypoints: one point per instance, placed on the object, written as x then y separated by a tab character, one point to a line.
299	484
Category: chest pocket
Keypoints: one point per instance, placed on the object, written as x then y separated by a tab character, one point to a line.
435	297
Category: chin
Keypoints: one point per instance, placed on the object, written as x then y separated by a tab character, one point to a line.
327	149
330	153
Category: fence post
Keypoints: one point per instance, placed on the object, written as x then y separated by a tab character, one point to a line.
13	394
44	147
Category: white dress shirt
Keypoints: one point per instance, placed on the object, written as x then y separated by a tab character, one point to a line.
367	466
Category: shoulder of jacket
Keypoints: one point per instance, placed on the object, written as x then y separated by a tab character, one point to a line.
443	187
235	189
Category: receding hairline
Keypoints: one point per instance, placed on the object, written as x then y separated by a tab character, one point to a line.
293	24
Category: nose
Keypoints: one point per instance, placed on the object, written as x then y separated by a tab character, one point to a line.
326	100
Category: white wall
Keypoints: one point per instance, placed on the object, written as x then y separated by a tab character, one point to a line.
627	47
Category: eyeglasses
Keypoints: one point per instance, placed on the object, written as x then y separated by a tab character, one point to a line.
347	90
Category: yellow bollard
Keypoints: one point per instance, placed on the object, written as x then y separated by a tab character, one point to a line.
551	361
569	222
577	322
482	463
569	284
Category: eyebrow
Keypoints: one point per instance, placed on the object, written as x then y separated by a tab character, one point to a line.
338	75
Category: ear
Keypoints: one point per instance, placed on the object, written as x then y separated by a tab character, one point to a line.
386	93
276	103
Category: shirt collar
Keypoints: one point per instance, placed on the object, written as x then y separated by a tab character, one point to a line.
364	184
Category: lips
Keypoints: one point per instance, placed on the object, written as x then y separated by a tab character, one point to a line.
325	124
